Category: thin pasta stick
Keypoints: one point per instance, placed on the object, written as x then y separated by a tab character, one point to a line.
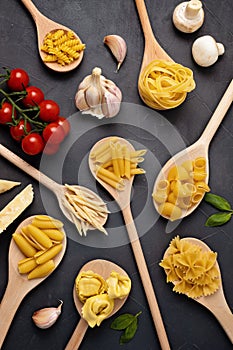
127	163
101	148
117	185
120	157
104	158
107	164
138	153
137	160
107	173
137	171
133	165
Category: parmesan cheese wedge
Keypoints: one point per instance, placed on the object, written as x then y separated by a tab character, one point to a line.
6	185
15	207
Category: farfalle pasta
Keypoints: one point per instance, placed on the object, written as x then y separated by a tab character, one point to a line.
118	285
164	85
184	186
97	308
192	270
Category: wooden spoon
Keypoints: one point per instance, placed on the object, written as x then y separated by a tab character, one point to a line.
18	285
152	50
216	302
200	147
103	268
123	200
45	25
57	189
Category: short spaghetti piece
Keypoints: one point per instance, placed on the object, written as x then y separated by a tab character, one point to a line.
164	85
192	270
61	47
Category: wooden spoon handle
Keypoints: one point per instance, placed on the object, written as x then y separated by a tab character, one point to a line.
27	168
9	305
145	277
77	336
36	14
218	115
225	318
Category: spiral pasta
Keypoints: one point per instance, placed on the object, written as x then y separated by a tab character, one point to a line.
61	47
164	85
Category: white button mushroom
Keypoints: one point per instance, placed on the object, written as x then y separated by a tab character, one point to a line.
205	50
188	16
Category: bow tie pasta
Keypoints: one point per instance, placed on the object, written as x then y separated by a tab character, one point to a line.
89	284
97	308
118	285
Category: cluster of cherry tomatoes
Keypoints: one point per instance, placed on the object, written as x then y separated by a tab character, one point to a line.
34	121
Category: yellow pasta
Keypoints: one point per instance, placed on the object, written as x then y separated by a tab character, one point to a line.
23	245
185	186
39	236
192	270
61	47
26	265
164	85
42	270
49	254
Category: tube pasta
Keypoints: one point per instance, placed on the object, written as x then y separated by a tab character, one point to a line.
39	246
61	47
185	186
164	85
115	161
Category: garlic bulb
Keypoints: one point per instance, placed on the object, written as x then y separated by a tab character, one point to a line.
45	318
118	47
98	96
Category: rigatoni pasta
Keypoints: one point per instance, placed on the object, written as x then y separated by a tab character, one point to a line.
183	187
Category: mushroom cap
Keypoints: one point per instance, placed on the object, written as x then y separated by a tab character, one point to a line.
188	16
205	50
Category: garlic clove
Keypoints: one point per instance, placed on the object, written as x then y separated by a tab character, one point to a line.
80	100
46	317
118	47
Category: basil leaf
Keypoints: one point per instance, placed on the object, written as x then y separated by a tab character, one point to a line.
217	201
122	322
129	332
218	219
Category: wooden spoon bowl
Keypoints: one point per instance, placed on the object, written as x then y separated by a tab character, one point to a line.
18	285
103	268
198	149
45	25
216	302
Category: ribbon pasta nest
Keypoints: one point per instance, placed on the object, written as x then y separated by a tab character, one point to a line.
164	85
62	47
192	270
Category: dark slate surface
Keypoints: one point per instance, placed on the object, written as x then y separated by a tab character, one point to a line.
188	325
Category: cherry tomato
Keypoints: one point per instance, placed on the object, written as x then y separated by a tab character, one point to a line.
53	133
6	111
18	79
32	144
49	111
51	148
34	96
20	130
65	124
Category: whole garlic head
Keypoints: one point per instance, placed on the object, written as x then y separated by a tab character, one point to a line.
98	96
205	50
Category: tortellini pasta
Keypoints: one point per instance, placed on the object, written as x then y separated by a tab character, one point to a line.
97	308
192	270
118	285
89	284
98	294
183	187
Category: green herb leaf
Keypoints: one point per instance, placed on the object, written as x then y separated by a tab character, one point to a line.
122	322
218	219
129	332
217	201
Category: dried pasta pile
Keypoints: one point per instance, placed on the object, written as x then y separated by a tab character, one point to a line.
40	242
61	47
98	294
184	187
115	162
192	270
164	85
85	210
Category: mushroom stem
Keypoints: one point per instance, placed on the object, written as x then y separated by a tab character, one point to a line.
192	9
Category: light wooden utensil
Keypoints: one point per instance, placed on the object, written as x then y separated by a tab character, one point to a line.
123	200
44	25
103	268
216	303
152	50
18	285
57	189
200	148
